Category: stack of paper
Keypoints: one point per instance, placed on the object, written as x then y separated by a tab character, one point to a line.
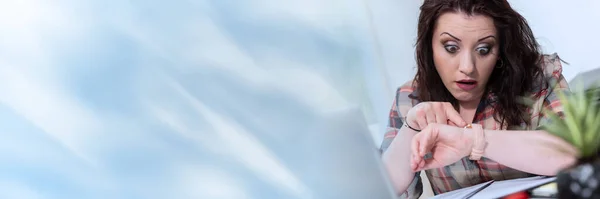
497	189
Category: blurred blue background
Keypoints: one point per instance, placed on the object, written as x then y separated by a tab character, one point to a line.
209	98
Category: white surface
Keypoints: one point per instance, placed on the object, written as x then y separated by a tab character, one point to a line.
503	188
496	189
565	27
462	193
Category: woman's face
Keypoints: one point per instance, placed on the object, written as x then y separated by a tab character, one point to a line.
465	51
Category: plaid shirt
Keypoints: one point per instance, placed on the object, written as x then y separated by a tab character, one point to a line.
465	172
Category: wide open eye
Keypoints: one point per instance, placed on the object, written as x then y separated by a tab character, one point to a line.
451	48
483	50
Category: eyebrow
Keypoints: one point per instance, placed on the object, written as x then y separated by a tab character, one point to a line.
450	35
492	36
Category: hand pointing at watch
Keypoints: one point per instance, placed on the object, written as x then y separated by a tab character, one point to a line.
426	113
447	144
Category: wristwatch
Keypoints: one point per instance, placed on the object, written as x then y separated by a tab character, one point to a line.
479	142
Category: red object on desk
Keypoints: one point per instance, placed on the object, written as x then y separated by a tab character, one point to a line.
518	195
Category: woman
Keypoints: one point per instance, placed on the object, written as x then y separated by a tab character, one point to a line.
477	62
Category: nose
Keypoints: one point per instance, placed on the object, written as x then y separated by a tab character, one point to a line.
467	64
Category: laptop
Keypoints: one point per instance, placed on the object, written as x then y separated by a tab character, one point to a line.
347	163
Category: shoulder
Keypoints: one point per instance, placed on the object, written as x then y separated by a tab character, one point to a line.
551	64
547	98
408	90
552	69
405	94
408	87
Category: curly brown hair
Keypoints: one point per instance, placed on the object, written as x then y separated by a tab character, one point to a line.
519	53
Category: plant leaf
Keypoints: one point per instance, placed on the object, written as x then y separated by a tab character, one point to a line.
593	130
570	121
582	102
592	119
557	126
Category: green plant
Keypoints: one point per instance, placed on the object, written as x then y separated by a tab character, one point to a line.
580	124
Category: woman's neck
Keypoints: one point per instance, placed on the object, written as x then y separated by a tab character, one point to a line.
468	105
468	110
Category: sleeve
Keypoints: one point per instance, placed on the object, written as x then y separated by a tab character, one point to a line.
402	103
549	99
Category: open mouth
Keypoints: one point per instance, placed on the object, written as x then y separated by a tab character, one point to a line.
467	82
466	85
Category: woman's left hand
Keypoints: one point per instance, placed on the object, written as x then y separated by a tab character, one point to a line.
447	144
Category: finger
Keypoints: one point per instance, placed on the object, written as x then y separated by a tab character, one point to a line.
420	116
414	152
418	165
440	115
422	122
430	114
415	165
415	146
413	162
427	164
422	165
414	168
430	163
453	115
452	123
416	158
426	141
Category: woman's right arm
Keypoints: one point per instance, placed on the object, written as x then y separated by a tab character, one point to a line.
396	148
397	140
397	162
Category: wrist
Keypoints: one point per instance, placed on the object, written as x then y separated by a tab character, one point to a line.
477	143
411	125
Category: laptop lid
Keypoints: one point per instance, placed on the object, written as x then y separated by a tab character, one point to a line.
342	160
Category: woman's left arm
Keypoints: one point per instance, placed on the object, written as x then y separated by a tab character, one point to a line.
536	152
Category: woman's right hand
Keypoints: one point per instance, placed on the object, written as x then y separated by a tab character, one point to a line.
433	112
